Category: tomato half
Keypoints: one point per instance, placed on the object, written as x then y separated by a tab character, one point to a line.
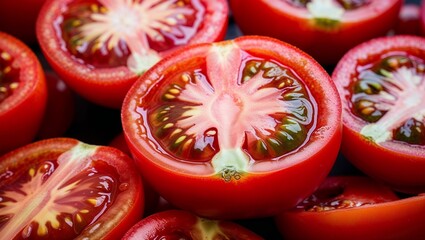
63	189
177	224
238	129
382	87
18	18
354	208
60	109
100	47
23	93
324	29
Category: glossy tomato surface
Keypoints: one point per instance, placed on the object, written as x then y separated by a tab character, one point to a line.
23	93
354	207
409	21
18	18
324	29
382	87
63	188
178	224
238	129
100	47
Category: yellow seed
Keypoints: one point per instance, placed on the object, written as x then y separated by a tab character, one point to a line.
55	224
393	62
364	104
168	125
42	230
368	110
180	3
76	23
180	139
92	201
169	96
3	89
174	91
176	131
7	69
180	16
78	218
14	85
96	47
185	78
31	172
84	211
187	143
6	56
103	9
94	8
165	119
163	112
171	21
281	85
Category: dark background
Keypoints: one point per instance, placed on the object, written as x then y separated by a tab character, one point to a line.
98	125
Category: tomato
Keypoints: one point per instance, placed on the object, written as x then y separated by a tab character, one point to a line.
409	20
177	224
18	18
354	207
326	29
422	18
60	109
23	93
63	188
382	87
214	127
100	47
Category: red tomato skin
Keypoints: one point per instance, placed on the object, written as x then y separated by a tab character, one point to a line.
60	109
21	113
409	20
400	165
105	87
178	221
398	219
116	158
211	196
295	27
422	18
18	18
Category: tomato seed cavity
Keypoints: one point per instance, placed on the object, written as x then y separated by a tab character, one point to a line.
9	76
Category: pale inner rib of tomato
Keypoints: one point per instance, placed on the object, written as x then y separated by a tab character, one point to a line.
390	96
132	33
56	198
231	109
9	75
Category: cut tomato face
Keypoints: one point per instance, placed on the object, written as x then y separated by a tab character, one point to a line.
222	121
326	29
23	93
382	86
100	47
342	204
177	224
62	188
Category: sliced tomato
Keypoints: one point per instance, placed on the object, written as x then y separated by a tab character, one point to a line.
63	189
224	123
100	47
326	29
60	110
177	224
354	207
382	86
23	93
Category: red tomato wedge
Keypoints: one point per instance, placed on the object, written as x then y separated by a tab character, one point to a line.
64	189
177	224
100	47
215	128
382	86
23	93
326	29
354	207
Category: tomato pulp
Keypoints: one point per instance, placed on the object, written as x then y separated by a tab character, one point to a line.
63	188
325	29
23	93
100	47
382	87
214	127
354	207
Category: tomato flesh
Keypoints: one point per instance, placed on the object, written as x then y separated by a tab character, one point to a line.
105	33
9	75
207	112
389	96
58	196
346	4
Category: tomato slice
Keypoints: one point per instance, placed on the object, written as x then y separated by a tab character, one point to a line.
23	93
325	29
106	45
234	118
63	188
178	224
354	207
381	84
